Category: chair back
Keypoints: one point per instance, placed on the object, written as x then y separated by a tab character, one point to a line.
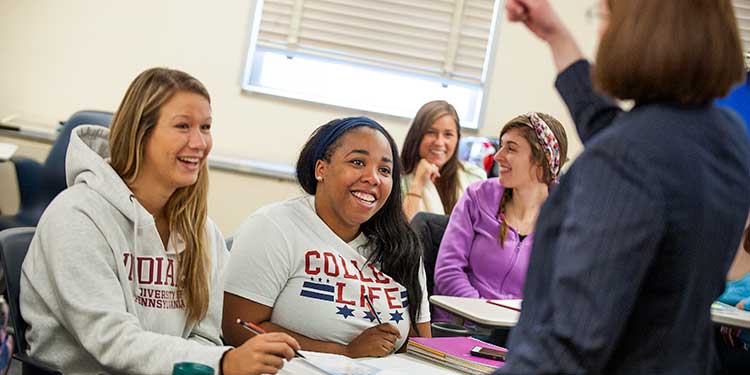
14	243
54	165
430	229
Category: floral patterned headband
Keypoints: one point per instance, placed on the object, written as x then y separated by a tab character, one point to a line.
549	143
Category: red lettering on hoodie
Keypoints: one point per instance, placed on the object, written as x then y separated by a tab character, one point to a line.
159	280
145	276
169	277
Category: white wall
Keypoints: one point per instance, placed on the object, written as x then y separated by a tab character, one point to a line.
62	56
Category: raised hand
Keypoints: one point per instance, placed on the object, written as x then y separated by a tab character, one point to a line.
542	20
537	15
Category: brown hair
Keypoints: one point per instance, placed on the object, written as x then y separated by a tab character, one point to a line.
447	185
187	207
538	156
688	52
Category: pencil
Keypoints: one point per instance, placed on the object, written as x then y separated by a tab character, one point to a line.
259	331
372	309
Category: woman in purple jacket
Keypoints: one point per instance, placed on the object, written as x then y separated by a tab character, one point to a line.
486	247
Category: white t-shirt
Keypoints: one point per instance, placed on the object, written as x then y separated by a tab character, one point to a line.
284	256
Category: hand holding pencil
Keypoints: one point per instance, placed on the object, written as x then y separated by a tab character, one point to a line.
377	341
261	354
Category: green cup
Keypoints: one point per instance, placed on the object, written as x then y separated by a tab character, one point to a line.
191	368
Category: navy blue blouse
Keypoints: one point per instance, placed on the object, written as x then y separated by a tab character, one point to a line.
634	244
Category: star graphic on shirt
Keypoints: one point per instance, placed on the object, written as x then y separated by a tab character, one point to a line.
344	311
397	317
370	316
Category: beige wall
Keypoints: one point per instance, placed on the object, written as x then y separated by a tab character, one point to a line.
246	193
62	56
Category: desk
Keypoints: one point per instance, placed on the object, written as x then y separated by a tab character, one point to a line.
477	311
729	315
397	364
7	150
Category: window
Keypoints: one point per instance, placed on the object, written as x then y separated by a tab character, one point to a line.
742	12
386	56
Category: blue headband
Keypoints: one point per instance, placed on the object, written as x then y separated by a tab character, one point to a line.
338	129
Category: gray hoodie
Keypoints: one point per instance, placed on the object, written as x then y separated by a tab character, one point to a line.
97	285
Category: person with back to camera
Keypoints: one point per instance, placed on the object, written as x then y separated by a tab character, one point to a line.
633	246
486	247
124	274
434	177
313	265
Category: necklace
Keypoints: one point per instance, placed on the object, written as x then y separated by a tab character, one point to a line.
522	228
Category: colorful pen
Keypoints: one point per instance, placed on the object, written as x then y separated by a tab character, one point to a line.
259	331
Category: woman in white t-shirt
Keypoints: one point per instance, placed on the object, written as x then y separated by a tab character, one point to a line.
434	178
308	266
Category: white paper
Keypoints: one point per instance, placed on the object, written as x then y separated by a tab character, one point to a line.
7	150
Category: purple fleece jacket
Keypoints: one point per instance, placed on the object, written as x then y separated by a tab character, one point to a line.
471	261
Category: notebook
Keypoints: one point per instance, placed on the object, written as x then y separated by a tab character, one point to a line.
327	364
513	304
334	364
453	352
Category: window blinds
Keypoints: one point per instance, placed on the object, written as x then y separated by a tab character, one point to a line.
742	12
447	39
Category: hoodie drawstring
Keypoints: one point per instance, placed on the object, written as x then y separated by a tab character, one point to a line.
133	258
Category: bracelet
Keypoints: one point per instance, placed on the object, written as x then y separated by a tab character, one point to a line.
414	194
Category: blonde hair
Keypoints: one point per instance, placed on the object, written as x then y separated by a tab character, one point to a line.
186	209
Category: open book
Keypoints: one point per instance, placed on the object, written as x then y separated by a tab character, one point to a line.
513	304
454	352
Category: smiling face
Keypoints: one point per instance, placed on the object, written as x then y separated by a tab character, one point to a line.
356	182
177	147
516	165
439	141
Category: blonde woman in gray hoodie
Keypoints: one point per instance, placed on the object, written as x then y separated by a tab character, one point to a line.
124	274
